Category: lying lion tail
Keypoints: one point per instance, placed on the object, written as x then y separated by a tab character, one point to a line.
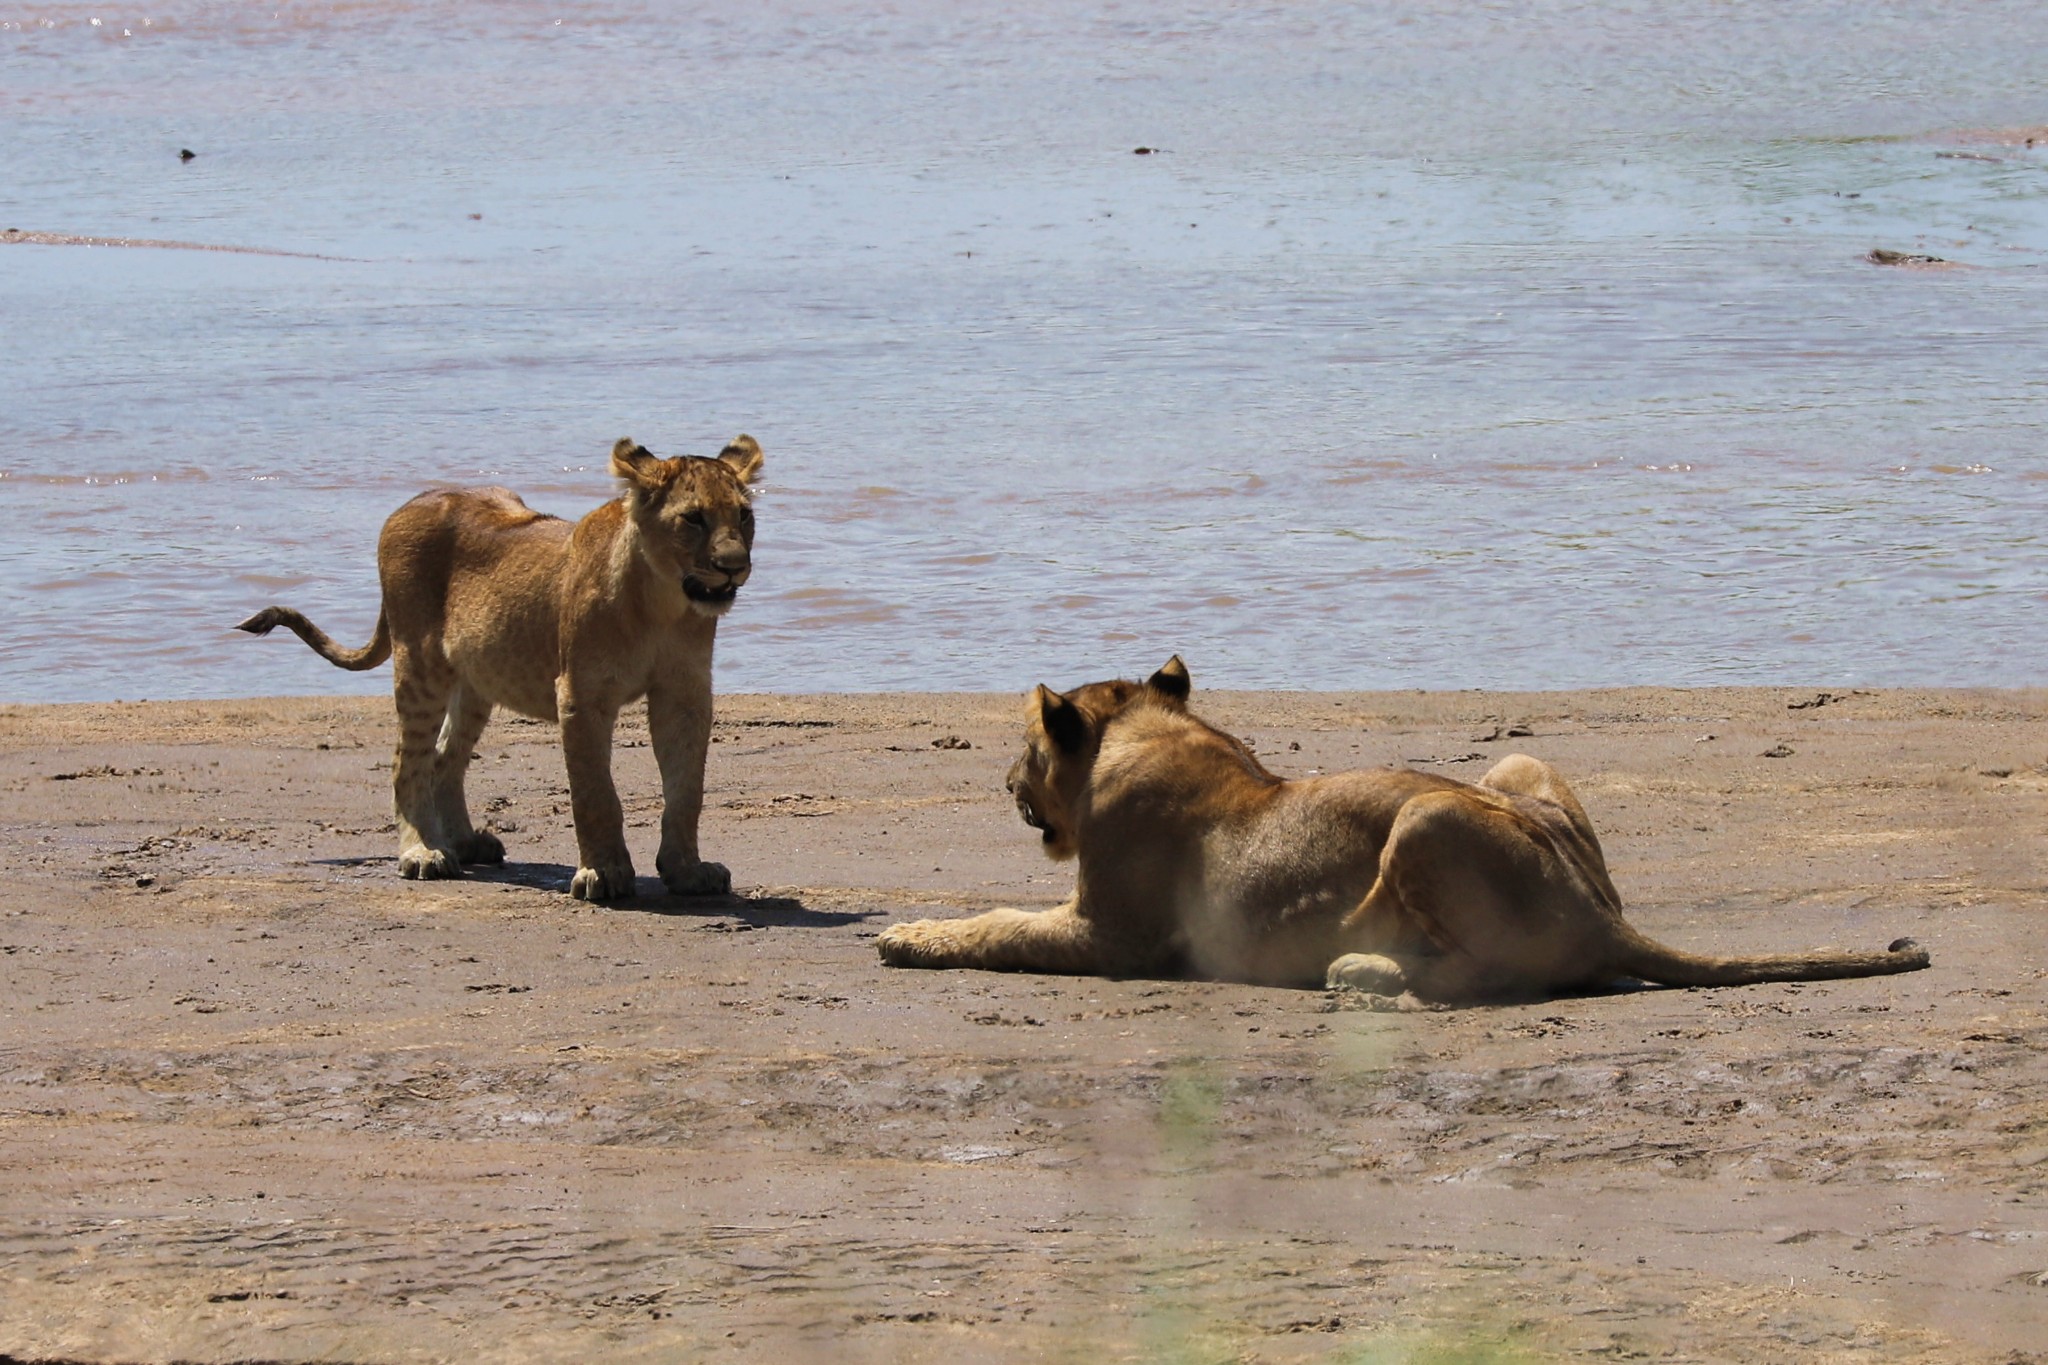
1649	960
355	660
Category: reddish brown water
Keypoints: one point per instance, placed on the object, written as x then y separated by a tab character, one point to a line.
1524	346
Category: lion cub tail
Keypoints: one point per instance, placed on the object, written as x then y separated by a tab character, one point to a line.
355	660
1649	960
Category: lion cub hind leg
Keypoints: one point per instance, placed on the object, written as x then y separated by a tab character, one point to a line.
468	712
421	689
1054	941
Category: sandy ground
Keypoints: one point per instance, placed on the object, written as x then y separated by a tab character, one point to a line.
262	1100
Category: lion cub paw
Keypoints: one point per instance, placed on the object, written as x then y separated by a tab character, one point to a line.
698	879
1369	972
608	882
480	846
420	863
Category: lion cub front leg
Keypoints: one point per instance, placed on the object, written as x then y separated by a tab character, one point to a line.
679	725
604	869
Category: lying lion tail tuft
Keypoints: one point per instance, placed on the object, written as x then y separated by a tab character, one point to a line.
355	660
1909	947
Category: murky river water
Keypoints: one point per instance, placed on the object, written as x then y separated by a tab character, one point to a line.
1513	345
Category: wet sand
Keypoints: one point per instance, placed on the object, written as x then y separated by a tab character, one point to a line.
262	1100
16	237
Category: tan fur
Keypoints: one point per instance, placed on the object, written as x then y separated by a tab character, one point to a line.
1191	856
488	603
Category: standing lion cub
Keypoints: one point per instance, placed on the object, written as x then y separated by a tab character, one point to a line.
489	603
1193	855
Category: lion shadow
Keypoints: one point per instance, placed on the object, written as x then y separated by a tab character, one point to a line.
650	897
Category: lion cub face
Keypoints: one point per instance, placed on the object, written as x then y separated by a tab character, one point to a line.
695	518
1061	742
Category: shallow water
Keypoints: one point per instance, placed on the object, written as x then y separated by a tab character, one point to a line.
1521	345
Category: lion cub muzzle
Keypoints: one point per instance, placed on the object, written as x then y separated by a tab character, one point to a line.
711	595
719	583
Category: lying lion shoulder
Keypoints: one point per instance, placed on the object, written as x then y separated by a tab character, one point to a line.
489	603
1192	856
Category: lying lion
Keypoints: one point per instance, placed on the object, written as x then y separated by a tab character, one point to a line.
1192	855
489	603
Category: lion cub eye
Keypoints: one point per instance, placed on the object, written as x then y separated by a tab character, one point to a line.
694	520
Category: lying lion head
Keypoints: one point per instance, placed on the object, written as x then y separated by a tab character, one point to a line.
695	517
1061	742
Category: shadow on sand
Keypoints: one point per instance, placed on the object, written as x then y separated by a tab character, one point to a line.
650	897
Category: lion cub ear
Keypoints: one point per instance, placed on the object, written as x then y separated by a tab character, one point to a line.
635	464
744	455
1064	723
1172	680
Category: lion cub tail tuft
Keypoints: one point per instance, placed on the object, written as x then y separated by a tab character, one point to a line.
354	660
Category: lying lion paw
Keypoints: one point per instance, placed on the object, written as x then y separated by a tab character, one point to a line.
921	943
480	846
607	882
420	863
697	879
1368	972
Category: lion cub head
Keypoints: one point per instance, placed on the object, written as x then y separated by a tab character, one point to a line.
695	517
1064	736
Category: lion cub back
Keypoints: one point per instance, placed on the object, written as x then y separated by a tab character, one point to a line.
477	572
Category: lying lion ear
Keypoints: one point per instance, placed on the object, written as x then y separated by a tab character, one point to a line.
1063	721
635	464
1172	680
744	455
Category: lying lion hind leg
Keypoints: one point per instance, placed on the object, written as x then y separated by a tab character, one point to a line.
468	713
1054	941
1500	907
1384	938
1465	979
420	688
1374	973
1427	860
1526	776
1521	775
